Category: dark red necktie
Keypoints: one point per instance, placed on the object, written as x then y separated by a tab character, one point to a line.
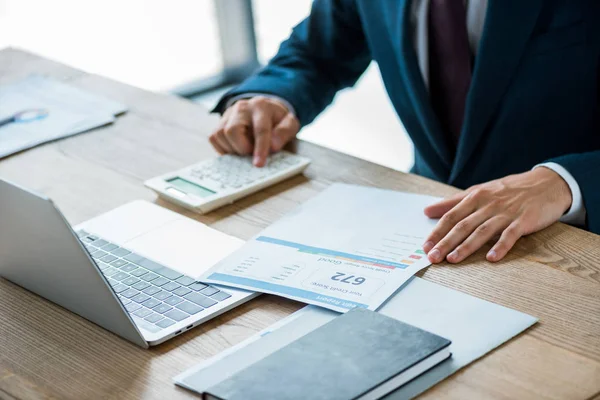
450	67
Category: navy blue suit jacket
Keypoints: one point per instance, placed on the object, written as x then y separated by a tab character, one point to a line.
534	96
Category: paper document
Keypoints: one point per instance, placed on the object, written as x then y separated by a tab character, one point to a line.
474	326
350	246
69	111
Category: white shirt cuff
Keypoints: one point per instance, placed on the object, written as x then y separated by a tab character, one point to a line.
249	95
577	213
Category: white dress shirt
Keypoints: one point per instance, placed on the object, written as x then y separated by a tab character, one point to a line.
476	12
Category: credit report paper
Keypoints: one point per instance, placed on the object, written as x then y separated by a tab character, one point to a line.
349	246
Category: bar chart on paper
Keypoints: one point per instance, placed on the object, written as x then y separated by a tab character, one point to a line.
369	258
348	247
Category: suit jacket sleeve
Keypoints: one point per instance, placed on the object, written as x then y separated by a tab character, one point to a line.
585	168
325	53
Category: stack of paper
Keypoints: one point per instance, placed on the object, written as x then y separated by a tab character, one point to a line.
350	246
474	326
69	111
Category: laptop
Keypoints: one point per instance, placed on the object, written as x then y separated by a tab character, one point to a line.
130	271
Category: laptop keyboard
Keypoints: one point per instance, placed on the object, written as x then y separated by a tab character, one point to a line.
147	289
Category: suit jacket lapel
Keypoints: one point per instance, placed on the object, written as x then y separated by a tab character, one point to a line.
417	92
508	26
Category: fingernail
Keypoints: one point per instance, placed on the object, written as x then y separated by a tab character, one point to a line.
427	246
434	255
453	256
256	160
492	254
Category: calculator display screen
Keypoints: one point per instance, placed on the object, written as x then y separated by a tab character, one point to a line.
190	188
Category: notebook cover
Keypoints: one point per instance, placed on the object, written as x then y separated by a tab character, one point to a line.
342	359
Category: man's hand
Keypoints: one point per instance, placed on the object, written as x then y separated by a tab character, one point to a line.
511	207
257	126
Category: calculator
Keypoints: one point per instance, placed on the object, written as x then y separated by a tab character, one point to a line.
213	183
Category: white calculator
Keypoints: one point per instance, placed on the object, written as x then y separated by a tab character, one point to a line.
214	183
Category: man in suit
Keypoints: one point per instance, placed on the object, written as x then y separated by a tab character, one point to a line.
500	97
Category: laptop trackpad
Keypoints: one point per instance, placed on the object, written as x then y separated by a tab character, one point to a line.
185	245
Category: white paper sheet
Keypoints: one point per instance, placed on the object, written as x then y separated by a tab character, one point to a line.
474	326
70	111
350	246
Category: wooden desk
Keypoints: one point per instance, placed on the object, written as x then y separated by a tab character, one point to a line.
47	352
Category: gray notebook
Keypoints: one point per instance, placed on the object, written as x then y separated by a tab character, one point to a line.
358	355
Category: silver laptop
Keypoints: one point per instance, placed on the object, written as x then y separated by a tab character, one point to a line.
130	270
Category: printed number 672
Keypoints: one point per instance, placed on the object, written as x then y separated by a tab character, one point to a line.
342	277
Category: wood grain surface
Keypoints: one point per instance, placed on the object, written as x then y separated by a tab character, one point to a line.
46	352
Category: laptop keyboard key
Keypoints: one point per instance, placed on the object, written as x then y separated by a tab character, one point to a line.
209	291
154	317
176	315
159	281
162	295
134	258
131	307
143	312
151	303
151	265
109	247
189	308
141	285
169	273
171	286
129	293
124	300
165	323
200	299
102	265
99	243
140	298
98	254
119	276
82	233
173	300
109	271
120	252
149	277
139	272
220	296
118	263
185	281
130	281
120	288
112	282
108	258
152	290
198	286
182	291
163	308
128	267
